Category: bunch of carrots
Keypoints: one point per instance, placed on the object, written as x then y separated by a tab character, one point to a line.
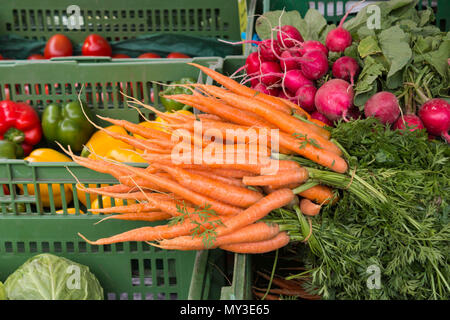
216	205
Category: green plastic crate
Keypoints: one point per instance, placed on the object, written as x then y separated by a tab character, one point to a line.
128	270
119	20
334	10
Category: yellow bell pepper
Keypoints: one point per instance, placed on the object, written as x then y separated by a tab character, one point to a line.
49	155
103	145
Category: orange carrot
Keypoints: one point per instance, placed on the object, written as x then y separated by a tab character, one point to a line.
295	176
279	241
233	195
309	208
140	216
236	87
145	132
223	110
283	121
176	188
210	174
319	194
149	233
132	208
254	232
259	210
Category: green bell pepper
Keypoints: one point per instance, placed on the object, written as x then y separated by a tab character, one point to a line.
10	150
172	105
67	125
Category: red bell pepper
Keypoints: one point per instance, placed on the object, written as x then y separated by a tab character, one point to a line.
20	123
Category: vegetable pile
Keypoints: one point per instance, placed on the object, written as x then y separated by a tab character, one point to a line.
219	203
397	72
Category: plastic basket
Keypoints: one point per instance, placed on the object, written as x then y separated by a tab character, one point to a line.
117	20
334	10
125	270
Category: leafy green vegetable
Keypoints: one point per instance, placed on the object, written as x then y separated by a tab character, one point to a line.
49	277
392	214
2	291
313	26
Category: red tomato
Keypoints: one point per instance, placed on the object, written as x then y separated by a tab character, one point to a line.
36	56
95	45
1	57
177	55
120	56
58	46
149	55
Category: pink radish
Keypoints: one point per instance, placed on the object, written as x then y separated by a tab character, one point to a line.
384	106
318	116
269	50
314	64
270	73
294	79
334	99
310	45
339	39
435	115
304	97
411	120
287	62
252	63
346	68
288	36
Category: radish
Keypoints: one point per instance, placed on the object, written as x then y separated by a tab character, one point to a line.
435	115
287	62
304	97
270	73
272	91
384	106
318	116
346	68
288	36
252	63
314	64
411	120
334	99
339	39
312	45
269	50
294	79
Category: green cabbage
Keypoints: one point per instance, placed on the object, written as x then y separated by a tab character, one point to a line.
2	291
49	277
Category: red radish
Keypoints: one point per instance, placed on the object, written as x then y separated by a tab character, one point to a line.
252	63
272	91
304	97
314	64
384	106
269	50
346	68
294	79
334	99
270	73
411	120
435	115
288	36
287	62
318	116
310	45
339	39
